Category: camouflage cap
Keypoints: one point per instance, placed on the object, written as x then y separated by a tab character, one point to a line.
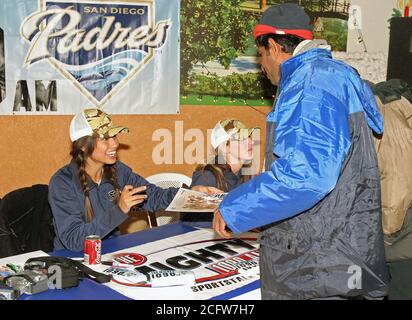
91	121
228	129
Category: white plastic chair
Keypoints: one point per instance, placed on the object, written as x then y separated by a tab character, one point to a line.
166	180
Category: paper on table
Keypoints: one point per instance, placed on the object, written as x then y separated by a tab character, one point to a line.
187	200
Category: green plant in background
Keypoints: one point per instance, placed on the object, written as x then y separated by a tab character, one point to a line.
335	32
212	30
235	86
396	13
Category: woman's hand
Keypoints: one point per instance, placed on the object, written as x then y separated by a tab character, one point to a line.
207	190
130	197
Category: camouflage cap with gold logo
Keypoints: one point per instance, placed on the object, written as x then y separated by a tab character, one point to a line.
228	129
91	121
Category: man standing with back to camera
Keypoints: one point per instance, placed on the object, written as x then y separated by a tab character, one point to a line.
318	202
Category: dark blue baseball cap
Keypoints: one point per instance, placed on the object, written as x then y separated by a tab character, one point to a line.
286	18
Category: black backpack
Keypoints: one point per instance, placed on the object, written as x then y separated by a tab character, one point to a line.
26	221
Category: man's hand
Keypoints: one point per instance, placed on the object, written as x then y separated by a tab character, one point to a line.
207	190
130	197
219	225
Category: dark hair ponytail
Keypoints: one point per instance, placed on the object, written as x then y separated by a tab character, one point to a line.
80	156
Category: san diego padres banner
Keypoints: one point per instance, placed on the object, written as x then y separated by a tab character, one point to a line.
61	56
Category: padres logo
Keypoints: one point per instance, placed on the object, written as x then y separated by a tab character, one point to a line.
99	46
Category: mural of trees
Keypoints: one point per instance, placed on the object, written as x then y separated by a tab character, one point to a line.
218	32
335	32
207	32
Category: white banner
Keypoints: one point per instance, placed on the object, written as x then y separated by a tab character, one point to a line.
62	56
219	266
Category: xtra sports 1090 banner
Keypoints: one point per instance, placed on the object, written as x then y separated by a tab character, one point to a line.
60	56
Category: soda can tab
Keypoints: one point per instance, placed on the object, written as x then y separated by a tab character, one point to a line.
92	250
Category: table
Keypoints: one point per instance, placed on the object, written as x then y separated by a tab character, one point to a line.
90	290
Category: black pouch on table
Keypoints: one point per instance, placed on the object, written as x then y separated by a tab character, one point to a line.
65	272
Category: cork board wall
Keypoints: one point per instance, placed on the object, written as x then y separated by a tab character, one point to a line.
34	147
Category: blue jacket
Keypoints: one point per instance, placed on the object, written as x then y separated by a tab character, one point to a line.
319	198
311	141
66	199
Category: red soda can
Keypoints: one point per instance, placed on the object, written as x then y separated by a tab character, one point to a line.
92	249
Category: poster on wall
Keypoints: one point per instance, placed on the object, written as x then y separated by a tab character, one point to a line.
61	56
224	69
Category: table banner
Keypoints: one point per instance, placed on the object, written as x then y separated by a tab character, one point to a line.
219	265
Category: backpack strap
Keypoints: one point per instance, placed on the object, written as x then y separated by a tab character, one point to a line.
92	274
